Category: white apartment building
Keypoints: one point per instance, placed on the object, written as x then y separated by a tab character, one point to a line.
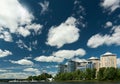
108	60
96	62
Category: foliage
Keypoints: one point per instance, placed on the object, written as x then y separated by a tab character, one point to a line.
100	74
43	76
110	73
77	75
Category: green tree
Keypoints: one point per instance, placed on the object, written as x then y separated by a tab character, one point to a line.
43	76
100	74
82	75
109	73
93	73
88	74
118	74
76	75
30	78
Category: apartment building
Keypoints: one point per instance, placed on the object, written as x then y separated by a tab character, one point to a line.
96	62
108	60
62	68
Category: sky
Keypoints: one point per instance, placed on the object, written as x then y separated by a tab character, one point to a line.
37	35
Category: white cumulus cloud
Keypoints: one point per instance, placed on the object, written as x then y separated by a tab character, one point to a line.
12	18
4	53
65	33
68	54
108	39
60	55
5	35
22	62
49	59
36	71
108	24
111	4
24	32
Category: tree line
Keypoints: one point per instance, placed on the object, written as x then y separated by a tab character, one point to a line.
43	76
110	73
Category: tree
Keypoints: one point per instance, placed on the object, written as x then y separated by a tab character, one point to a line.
76	75
43	76
30	78
82	75
100	74
93	73
88	74
118	74
109	73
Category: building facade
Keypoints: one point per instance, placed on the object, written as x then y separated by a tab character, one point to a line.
71	66
108	60
96	62
62	68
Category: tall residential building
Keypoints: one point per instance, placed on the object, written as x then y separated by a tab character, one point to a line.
71	66
81	66
108	60
62	68
96	62
89	65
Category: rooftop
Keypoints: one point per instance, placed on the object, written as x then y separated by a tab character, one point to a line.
108	54
79	60
93	58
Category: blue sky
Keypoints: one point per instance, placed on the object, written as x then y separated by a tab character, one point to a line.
37	35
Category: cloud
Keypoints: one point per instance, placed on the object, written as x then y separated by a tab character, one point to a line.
22	45
108	24
3	70
44	6
4	53
36	27
68	54
14	75
111	5
65	33
16	15
16	19
34	44
108	39
24	32
97	40
5	35
52	66
79	60
36	71
76	2
22	62
60	55
49	59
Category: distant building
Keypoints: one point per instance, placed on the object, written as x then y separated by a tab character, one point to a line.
108	60
81	64
62	68
90	65
95	62
71	66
